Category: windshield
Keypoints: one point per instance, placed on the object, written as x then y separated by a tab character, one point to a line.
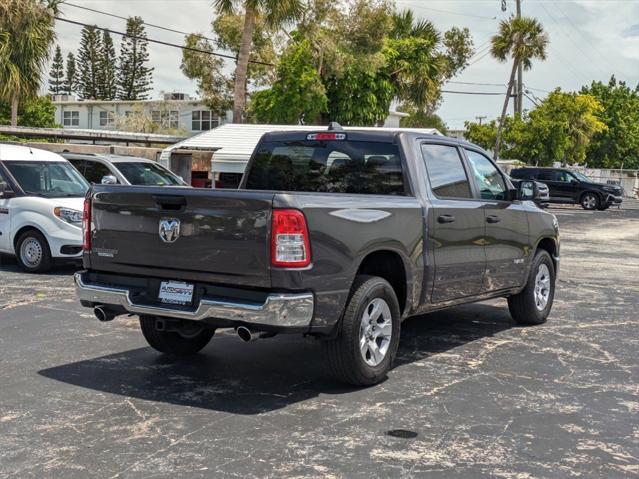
581	177
148	174
48	179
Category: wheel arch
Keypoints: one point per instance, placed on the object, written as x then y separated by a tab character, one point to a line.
549	245
390	265
23	229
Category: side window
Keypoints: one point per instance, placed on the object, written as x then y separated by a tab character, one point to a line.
487	177
78	165
546	175
95	171
446	172
562	176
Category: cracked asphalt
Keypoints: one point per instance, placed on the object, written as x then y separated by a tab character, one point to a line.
476	395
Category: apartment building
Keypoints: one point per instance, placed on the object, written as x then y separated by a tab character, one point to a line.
174	112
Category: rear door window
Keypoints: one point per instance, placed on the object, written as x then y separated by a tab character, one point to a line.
446	171
332	166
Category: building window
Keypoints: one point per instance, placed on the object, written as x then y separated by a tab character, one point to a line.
166	118
203	120
71	118
107	118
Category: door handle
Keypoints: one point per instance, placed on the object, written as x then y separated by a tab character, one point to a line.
493	219
446	219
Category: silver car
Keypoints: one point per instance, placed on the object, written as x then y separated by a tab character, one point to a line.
124	170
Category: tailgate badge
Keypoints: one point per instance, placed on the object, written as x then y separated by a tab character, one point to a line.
169	229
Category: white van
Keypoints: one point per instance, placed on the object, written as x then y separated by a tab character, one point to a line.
41	202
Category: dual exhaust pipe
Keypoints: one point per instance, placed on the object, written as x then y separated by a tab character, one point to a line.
245	334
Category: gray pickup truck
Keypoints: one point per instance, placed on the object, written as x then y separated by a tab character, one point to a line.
337	235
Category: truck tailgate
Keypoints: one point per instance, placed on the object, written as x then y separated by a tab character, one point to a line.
213	236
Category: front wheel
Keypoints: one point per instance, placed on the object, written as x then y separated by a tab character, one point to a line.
364	350
533	304
188	340
33	252
590	201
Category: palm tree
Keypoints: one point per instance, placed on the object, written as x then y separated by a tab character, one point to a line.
26	35
275	12
416	65
523	39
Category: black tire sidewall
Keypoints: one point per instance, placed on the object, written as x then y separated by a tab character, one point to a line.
173	343
372	288
45	261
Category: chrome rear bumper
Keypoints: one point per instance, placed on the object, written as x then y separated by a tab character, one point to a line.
280	310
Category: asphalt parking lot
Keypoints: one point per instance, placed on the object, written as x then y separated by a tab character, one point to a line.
475	395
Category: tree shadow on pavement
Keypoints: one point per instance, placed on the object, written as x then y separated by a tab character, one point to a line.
265	375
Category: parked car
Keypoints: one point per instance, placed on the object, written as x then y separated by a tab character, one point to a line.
338	235
41	201
124	170
573	187
542	193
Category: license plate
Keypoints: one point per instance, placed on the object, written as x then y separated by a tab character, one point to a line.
175	292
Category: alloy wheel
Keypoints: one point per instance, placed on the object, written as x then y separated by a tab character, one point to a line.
375	331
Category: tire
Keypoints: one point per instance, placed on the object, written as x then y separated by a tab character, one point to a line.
353	357
524	307
33	252
175	343
590	201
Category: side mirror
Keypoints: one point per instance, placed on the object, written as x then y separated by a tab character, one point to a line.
573	182
6	192
109	180
527	191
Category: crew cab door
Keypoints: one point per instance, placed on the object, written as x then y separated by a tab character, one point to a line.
455	225
506	225
5	213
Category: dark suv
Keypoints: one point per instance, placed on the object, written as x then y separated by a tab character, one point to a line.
573	187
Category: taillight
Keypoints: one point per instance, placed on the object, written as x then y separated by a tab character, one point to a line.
86	225
290	245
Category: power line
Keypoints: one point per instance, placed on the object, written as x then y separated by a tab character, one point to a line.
476	83
160	42
160	27
420	3
473	92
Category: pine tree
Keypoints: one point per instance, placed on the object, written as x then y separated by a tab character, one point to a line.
89	64
56	76
135	77
107	84
71	77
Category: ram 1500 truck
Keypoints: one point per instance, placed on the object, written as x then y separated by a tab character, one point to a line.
335	234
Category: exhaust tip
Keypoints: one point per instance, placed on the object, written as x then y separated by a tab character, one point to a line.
245	334
102	314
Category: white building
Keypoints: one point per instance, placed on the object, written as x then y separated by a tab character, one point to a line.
175	112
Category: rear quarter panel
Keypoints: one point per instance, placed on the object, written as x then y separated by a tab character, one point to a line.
343	230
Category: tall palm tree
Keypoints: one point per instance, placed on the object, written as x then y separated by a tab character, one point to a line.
26	35
522	39
275	12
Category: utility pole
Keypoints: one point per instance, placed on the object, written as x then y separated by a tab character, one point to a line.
480	118
520	75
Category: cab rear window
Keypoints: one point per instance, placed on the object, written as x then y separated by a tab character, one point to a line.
332	166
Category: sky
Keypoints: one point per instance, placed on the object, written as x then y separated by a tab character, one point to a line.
589	40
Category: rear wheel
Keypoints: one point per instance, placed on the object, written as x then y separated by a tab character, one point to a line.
364	350
590	201
533	304
188	340
33	253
